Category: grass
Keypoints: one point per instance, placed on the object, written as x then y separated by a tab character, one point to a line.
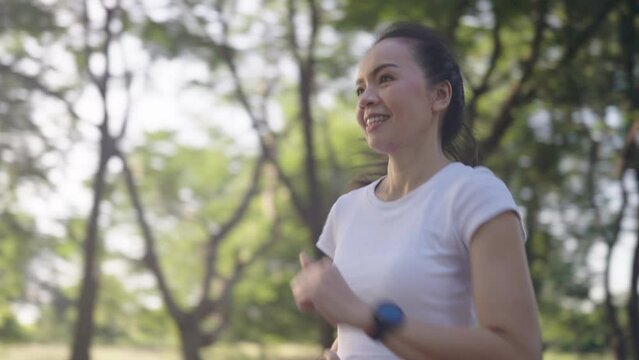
565	356
239	351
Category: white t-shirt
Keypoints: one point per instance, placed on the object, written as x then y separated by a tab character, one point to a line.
414	250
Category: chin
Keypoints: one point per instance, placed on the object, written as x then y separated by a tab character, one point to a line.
379	147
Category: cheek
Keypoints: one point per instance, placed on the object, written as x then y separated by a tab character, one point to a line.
409	93
359	116
417	103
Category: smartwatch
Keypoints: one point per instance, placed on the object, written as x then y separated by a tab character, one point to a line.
387	317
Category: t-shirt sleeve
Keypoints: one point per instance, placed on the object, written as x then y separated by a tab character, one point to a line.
480	199
327	239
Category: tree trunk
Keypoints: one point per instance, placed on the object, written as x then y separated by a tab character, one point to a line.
90	281
315	208
610	234
633	301
189	338
532	215
629	16
617	341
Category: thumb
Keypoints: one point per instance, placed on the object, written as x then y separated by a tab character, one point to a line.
304	260
330	355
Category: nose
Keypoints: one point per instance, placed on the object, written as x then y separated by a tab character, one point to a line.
368	97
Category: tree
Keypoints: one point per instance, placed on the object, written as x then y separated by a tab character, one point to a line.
308	203
84	327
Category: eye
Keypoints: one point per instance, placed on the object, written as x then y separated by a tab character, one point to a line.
384	78
359	91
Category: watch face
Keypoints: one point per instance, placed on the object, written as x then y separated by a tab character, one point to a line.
389	313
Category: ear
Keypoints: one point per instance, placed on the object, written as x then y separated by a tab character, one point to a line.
442	92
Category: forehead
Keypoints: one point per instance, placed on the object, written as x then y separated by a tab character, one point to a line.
396	51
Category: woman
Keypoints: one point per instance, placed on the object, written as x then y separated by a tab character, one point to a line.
427	262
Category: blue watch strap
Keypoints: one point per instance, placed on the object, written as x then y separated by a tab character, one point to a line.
387	317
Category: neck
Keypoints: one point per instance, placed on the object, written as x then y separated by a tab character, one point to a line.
410	168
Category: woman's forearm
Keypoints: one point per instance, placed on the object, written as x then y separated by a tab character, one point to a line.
418	340
415	340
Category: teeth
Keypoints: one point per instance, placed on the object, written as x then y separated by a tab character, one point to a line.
375	119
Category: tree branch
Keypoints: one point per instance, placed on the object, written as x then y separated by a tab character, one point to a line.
128	82
214	241
586	34
306	68
292	32
492	64
505	118
223	304
87	49
330	149
453	21
150	257
265	134
315	25
34	83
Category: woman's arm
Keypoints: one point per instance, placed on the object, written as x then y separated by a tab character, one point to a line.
505	302
508	326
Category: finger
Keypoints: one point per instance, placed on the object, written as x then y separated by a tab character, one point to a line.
330	355
304	260
301	299
303	304
294	283
296	289
306	306
334	346
326	261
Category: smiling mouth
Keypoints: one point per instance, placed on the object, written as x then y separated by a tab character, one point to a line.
374	121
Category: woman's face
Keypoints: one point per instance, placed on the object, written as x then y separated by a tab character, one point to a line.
394	105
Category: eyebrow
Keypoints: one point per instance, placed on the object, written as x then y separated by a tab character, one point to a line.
377	69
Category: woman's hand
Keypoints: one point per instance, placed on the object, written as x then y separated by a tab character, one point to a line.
329	355
320	287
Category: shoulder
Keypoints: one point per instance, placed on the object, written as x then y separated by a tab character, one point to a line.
473	176
343	210
465	181
355	196
477	196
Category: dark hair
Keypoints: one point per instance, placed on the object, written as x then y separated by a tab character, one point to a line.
432	54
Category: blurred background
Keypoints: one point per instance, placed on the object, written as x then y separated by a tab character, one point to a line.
163	162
